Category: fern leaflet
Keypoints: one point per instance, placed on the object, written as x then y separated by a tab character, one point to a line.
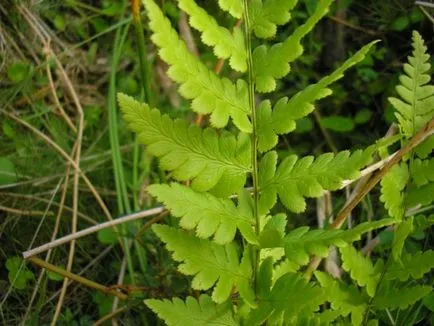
344	298
361	268
301	243
308	177
422	171
273	63
402	232
416	106
192	312
210	93
290	298
208	214
281	119
213	162
225	44
391	296
266	15
209	262
234	7
392	187
411	265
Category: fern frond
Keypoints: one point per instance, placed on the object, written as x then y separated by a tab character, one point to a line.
192	312
273	63
344	298
225	44
423	195
282	119
208	214
402	232
415	107
309	177
234	7
411	265
391	296
212	162
209	262
301	243
266	15
361	268
291	297
210	93
422	171
392	187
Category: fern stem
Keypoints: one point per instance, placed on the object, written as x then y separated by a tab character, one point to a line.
254	136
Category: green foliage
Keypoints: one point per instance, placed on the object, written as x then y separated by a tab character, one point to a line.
422	171
391	296
225	44
415	107
294	179
266	15
192	312
8	173
213	162
210	93
291	297
209	262
402	232
271	63
208	214
411	265
392	187
239	249
301	243
282	119
18	274
361	269
346	299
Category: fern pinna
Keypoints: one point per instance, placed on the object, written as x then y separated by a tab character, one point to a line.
238	250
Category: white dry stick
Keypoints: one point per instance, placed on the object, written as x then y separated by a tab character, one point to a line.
92	229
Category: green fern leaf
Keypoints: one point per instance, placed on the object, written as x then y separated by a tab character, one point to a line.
213	162
284	267
415	107
422	171
361	269
273	63
234	7
392	296
411	265
225	44
309	177
210	93
344	298
392	187
402	232
192	312
208	214
290	297
209	262
282	119
423	195
301	243
266	15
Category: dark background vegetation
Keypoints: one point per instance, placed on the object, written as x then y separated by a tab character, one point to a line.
82	35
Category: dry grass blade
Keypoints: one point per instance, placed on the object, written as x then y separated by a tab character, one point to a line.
93	229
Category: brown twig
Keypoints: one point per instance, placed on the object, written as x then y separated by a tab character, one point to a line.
423	134
352	26
74	277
